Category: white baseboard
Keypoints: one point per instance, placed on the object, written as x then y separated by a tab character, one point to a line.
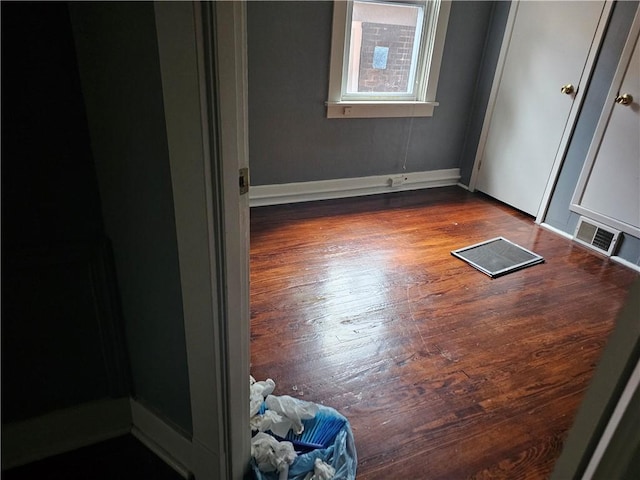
262	195
557	230
626	263
64	430
614	258
161	438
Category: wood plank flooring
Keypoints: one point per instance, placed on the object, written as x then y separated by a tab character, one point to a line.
443	372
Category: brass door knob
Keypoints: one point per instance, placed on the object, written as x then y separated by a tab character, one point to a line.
625	99
568	89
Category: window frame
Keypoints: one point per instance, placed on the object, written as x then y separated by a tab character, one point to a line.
422	102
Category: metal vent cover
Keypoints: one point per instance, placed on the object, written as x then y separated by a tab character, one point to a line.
596	236
497	256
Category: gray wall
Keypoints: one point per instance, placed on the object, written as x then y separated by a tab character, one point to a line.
559	215
290	138
492	47
119	68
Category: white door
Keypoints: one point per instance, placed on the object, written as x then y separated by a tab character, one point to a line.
548	49
202	50
609	187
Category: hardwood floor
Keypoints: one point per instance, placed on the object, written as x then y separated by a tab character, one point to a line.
443	372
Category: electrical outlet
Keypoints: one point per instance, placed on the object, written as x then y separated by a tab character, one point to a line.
397	180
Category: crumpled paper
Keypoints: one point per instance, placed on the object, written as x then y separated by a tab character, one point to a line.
266	421
271	455
257	393
293	411
321	471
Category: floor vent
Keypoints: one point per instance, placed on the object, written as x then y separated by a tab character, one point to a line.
596	236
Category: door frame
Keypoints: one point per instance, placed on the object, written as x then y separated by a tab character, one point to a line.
202	48
573	113
228	88
226	122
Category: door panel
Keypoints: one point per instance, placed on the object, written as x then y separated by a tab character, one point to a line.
608	189
613	188
549	47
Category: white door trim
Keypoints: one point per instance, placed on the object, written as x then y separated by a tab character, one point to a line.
231	98
573	113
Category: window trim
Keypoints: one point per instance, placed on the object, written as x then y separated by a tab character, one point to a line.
376	107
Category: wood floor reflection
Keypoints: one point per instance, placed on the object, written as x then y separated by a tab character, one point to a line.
443	372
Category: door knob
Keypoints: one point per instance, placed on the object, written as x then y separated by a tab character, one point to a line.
568	89
625	99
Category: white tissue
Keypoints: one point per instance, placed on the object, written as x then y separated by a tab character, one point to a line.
293	410
265	422
257	392
321	471
271	455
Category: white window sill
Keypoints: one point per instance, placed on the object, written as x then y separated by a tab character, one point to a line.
379	109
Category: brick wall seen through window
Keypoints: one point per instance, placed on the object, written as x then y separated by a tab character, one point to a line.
399	41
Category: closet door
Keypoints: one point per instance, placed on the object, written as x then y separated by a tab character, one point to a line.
609	186
544	69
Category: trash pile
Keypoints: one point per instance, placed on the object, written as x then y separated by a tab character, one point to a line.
298	440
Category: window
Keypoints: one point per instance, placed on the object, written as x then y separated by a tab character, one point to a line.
385	57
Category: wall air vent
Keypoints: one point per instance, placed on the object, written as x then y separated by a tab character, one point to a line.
597	236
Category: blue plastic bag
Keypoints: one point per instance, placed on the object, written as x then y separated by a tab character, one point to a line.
341	455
